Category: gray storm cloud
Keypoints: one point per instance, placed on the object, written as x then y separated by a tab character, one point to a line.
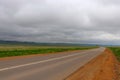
78	21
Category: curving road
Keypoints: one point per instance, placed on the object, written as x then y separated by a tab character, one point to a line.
50	67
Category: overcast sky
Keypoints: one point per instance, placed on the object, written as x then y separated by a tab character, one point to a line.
78	21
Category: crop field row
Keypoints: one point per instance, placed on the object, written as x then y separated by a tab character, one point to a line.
116	51
8	51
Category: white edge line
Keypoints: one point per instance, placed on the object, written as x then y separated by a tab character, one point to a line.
28	64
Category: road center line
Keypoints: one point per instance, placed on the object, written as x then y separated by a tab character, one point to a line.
33	63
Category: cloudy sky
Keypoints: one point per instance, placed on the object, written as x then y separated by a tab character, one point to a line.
77	21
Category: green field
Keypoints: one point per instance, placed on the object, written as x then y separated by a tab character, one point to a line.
116	51
8	50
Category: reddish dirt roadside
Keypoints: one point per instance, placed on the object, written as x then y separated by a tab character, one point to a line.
103	67
33	55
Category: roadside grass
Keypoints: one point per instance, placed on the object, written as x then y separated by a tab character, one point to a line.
7	51
116	51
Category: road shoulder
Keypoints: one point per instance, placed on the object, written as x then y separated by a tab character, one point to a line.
34	55
102	67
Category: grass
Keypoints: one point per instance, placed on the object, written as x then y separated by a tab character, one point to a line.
7	51
116	51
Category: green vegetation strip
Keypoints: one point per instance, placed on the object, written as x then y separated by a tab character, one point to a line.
19	52
116	51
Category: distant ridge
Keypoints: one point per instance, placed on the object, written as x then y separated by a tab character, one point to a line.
5	42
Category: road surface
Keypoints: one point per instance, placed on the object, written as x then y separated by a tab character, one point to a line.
49	67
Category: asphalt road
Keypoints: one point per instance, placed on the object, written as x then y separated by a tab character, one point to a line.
50	67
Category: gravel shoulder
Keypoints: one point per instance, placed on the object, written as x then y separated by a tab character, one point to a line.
34	55
103	67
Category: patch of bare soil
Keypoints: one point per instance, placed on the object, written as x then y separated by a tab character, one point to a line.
103	67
